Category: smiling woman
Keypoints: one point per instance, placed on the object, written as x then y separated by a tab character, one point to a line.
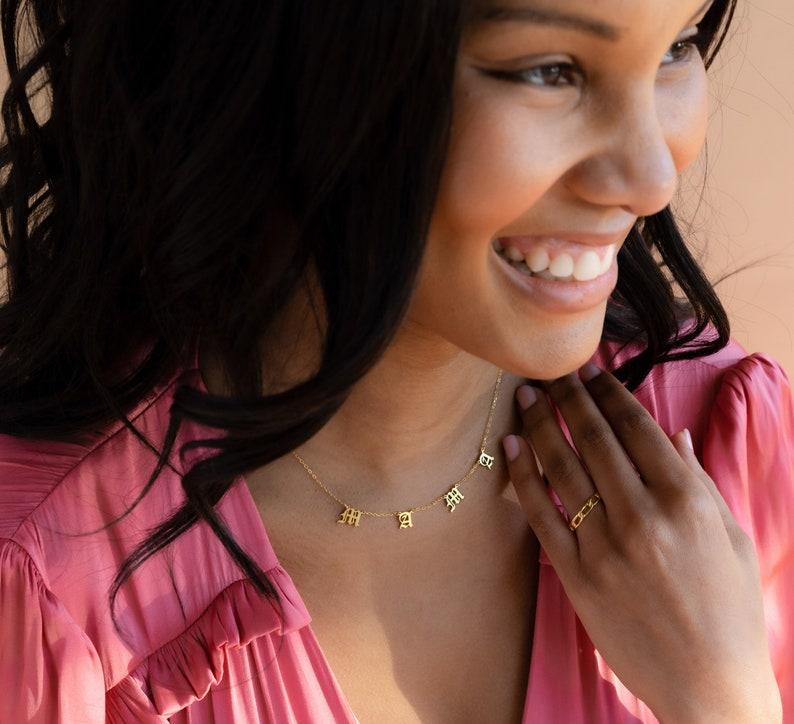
280	277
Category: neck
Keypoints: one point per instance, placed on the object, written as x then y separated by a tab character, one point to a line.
419	415
411	427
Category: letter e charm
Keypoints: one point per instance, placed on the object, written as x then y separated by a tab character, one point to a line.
486	460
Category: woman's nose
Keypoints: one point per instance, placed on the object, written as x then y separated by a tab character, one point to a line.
631	163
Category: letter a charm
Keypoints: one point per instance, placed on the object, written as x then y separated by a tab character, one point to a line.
405	520
486	460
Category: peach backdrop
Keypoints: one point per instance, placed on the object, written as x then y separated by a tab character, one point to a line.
736	202
744	214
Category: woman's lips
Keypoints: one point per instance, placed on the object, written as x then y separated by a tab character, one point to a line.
558	296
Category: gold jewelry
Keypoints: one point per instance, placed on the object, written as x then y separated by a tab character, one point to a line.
589	504
352	516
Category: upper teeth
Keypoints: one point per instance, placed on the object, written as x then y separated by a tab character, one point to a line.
586	266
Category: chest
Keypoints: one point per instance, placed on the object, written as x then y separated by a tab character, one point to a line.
432	629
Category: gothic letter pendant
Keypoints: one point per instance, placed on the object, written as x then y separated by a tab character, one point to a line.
486	460
453	497
349	515
405	520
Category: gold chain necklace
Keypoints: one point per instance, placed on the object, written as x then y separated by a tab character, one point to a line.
352	516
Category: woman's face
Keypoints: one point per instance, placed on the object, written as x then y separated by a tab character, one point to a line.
571	120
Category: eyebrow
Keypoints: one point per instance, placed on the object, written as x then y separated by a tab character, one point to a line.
565	20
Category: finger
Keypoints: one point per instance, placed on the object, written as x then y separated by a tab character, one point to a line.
683	443
560	463
614	475
548	524
647	445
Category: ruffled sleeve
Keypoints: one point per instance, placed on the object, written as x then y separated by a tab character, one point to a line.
49	669
748	450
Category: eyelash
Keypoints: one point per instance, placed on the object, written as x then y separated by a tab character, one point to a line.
690	46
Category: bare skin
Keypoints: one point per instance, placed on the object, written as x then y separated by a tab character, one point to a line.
409	619
399	614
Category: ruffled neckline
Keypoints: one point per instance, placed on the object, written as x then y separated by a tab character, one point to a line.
169	678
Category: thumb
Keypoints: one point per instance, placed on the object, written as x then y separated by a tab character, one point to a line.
683	444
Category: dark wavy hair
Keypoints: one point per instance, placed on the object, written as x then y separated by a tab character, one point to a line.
192	161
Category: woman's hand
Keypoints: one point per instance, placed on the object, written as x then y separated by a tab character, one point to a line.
663	579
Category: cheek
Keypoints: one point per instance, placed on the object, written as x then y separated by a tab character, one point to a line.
500	161
503	157
685	112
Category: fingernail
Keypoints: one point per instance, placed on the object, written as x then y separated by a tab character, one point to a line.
526	396
688	439
588	371
510	444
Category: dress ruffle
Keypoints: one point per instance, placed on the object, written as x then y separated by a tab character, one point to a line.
184	669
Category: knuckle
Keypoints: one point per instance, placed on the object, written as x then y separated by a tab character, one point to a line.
641	531
541	525
595	436
652	543
561	468
693	506
634	422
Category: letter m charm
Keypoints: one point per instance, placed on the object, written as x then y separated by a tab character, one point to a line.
351	516
453	497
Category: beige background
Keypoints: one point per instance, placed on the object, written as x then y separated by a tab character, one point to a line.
736	203
745	214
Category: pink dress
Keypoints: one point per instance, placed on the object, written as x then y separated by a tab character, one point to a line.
202	646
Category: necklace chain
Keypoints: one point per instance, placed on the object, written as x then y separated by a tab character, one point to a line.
352	516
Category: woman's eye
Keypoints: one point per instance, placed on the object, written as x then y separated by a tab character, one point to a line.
550	75
555	75
565	75
681	51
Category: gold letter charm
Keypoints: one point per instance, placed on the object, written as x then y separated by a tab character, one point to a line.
405	520
453	497
486	460
351	516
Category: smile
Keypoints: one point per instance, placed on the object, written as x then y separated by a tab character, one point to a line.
556	259
558	276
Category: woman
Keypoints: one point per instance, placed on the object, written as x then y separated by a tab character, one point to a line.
280	274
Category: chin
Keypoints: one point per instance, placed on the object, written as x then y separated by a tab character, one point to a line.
556	354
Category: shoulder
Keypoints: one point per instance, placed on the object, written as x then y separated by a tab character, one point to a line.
63	532
38	476
67	531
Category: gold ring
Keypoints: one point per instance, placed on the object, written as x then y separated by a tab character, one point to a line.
590	503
